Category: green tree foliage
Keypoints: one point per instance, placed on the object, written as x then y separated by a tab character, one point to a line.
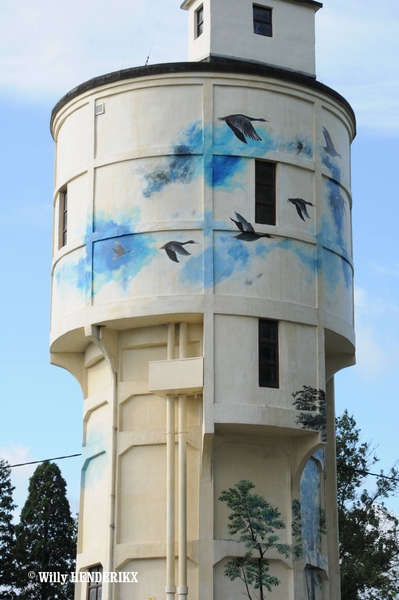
7	533
46	536
254	521
368	531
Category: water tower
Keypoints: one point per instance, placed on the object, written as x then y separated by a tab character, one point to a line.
202	275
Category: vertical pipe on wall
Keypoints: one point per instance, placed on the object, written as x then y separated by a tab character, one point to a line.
331	493
170	588
182	589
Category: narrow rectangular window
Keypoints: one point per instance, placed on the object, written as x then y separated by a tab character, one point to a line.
94	586
268	353
262	20
199	21
265	192
64	216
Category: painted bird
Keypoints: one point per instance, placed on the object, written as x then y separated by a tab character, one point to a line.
172	248
300	206
242	127
329	147
119	251
248	233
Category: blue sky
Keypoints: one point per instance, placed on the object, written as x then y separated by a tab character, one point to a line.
45	50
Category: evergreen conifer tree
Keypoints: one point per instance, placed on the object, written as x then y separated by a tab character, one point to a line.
7	533
45	537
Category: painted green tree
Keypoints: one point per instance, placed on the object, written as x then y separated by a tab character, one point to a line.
254	521
312	404
45	536
368	531
7	533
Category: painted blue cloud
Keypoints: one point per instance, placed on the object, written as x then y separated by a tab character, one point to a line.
70	273
140	250
191	137
233	256
182	167
175	169
300	146
337	205
223	136
229	256
192	272
224	169
336	269
331	166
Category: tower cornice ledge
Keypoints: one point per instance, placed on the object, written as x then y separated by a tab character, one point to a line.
317	5
212	64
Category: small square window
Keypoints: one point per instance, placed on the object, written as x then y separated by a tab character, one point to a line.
268	353
265	192
199	21
262	20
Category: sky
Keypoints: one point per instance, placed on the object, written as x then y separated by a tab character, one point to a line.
46	49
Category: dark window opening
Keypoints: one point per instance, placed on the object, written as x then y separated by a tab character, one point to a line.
94	586
64	217
199	21
262	20
265	192
268	353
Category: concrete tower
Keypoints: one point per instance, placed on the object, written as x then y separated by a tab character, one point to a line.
202	275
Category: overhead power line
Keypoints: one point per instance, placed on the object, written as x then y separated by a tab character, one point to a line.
339	466
35	462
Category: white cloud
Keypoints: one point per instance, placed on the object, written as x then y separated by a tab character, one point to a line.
391	271
357	50
16	455
377	331
47	48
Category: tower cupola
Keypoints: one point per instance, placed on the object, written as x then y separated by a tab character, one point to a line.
280	33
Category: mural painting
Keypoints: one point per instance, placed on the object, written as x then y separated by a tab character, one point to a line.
255	522
173	248
248	233
242	127
329	147
300	205
312	404
313	525
118	251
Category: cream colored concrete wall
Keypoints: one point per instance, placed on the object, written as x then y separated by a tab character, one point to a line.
228	31
147	191
73	142
128	125
158	166
236	362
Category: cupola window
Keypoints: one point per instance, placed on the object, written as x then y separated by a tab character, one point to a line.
199	21
262	20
